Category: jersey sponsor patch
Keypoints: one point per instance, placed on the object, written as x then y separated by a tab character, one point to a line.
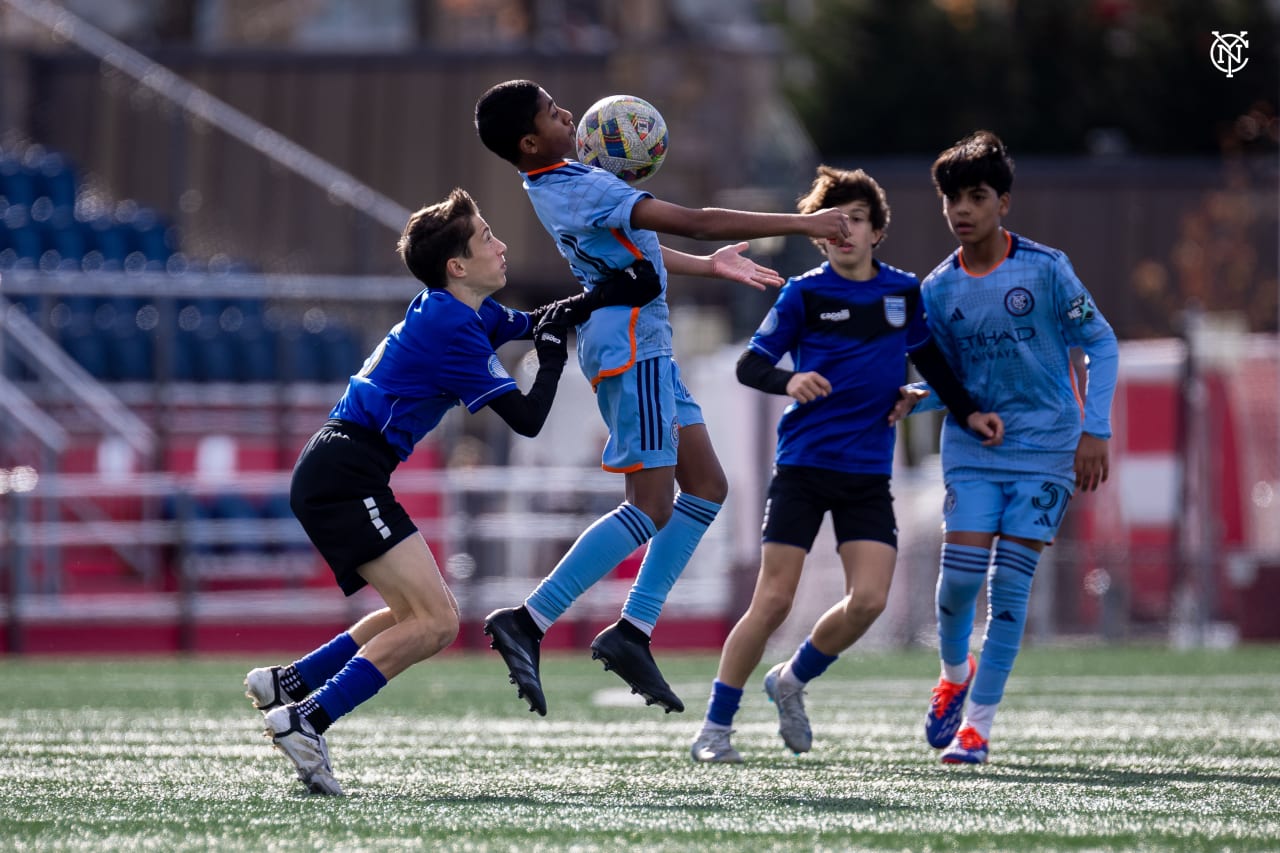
1019	302
1081	309
895	311
496	370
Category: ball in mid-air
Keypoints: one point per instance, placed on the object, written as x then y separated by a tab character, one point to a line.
624	135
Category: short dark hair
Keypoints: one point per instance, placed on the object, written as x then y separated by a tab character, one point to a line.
977	159
504	116
437	233
833	187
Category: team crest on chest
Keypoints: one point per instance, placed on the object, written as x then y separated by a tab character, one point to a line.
895	311
1019	302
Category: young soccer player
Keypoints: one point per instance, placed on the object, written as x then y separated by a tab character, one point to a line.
849	326
657	436
440	355
1005	312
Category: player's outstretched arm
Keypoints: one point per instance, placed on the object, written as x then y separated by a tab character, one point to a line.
526	413
717	223
727	262
633	286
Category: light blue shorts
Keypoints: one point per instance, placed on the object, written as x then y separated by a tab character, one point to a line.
644	409
1029	509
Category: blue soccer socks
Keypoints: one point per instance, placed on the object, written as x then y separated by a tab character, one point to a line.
318	667
808	663
358	681
600	548
1007	598
964	568
723	704
668	554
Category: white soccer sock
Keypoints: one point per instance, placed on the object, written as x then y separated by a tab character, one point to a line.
981	717
787	679
643	626
956	673
541	621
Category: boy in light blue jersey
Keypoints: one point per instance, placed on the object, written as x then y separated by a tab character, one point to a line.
441	355
849	326
1005	312
657	436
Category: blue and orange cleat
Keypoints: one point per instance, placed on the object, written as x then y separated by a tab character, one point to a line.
946	709
969	747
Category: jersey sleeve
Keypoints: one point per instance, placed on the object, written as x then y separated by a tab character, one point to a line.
471	370
503	324
1084	326
781	327
607	201
918	333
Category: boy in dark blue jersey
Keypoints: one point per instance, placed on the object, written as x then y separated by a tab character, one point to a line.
657	435
1006	313
441	355
849	326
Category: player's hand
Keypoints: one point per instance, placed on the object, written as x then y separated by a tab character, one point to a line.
636	285
908	397
828	224
1093	462
987	425
728	262
808	386
551	336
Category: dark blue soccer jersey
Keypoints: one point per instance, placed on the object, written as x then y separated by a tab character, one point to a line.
857	334
440	355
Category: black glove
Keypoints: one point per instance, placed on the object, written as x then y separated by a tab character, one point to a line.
551	336
634	286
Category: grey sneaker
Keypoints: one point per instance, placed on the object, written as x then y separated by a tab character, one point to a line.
712	747
793	722
293	735
262	686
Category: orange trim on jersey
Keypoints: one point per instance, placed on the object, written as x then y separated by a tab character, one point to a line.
1008	246
630	469
631	326
559	165
631	359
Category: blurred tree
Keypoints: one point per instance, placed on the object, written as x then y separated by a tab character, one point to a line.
1051	76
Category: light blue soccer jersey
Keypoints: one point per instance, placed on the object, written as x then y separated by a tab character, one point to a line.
856	334
1007	336
397	396
588	212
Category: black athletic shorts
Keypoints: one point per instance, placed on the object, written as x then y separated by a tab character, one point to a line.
341	492
861	506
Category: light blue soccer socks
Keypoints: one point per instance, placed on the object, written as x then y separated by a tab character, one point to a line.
1007	597
318	667
964	568
358	681
808	662
599	549
723	704
668	554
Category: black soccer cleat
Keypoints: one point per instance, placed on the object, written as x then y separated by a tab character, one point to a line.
517	639
624	649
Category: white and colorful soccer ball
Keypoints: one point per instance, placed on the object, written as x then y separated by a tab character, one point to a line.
624	135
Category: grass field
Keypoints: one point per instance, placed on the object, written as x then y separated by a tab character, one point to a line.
1095	749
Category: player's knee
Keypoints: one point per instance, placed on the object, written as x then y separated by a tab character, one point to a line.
433	633
772	610
659	512
866	605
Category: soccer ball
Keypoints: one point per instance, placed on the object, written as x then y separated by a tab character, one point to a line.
624	135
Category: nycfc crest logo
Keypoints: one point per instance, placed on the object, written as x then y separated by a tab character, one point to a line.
1019	302
895	311
1227	52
